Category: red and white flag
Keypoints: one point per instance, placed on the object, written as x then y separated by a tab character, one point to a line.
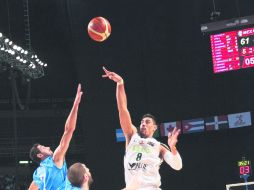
165	128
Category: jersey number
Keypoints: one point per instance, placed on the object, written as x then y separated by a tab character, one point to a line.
139	156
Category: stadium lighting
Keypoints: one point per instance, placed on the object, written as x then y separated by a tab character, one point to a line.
24	162
20	59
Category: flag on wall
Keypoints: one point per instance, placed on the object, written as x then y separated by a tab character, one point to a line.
239	119
193	125
216	122
165	128
119	135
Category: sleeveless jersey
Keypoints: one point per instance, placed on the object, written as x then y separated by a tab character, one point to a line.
48	176
142	163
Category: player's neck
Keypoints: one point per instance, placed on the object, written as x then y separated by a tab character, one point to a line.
85	186
144	137
44	158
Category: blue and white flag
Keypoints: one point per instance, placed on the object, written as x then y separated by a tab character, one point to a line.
193	125
239	119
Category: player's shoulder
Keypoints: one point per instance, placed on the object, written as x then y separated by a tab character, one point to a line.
47	163
40	171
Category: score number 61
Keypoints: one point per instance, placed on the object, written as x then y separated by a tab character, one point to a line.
245	41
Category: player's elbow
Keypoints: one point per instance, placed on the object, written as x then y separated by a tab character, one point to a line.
178	166
123	110
69	129
177	163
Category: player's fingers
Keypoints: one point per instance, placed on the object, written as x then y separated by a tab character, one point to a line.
177	133
174	131
105	70
104	76
78	89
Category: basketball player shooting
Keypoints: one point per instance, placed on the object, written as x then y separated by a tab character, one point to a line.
144	154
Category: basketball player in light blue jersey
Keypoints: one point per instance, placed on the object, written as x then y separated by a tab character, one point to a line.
79	178
52	171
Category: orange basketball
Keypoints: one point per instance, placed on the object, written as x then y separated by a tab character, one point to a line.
99	29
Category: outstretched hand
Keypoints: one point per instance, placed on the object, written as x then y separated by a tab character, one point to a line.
112	76
172	137
78	95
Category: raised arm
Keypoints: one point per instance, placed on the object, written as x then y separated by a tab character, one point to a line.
172	157
69	128
124	115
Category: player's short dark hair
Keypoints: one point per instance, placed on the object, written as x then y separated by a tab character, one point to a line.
33	153
150	116
76	174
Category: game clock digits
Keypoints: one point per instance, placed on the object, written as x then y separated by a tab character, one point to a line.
232	50
244	167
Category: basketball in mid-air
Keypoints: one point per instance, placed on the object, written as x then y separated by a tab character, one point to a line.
99	29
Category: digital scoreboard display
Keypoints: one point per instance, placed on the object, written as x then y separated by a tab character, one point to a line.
232	50
244	167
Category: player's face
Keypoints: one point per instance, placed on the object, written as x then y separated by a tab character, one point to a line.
46	151
147	127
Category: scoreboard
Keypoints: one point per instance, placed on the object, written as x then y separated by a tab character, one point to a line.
244	167
232	50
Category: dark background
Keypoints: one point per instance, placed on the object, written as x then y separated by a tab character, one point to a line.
165	61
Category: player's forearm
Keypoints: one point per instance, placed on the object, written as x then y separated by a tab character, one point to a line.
124	115
70	124
174	160
121	97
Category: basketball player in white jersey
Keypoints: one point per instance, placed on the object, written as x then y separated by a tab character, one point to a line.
144	154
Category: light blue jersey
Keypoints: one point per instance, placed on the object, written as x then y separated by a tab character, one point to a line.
48	176
67	186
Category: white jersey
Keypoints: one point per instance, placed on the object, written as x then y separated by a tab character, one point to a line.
141	163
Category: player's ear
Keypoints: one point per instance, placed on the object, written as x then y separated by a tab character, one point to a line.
86	178
39	155
155	127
